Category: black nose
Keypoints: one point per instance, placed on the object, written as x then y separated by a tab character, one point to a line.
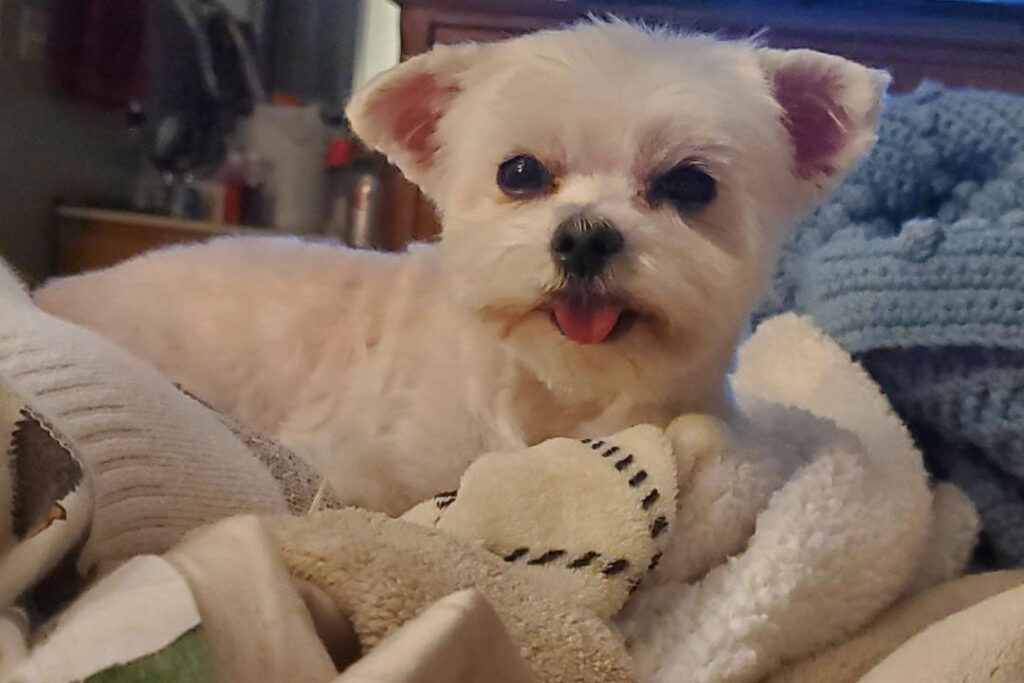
582	247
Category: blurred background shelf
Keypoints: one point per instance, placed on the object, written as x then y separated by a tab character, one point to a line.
88	238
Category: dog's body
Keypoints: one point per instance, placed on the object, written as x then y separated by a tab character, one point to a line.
613	200
355	360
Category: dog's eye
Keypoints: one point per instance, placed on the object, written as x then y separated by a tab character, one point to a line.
687	187
522	176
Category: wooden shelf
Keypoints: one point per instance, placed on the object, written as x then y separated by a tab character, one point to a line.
88	239
82	213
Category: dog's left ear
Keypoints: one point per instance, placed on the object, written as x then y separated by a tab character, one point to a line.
399	111
830	108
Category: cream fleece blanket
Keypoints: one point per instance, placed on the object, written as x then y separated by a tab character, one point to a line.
383	572
912	618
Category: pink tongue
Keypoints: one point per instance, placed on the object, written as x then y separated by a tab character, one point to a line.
586	325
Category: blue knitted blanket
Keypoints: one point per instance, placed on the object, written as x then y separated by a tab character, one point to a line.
916	266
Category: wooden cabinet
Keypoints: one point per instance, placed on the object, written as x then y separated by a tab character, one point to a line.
88	239
949	42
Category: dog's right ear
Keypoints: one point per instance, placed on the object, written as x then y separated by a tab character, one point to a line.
398	112
830	108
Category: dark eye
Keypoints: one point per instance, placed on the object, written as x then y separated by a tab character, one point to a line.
687	187
523	176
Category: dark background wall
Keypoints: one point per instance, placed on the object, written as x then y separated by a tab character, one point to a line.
49	148
53	149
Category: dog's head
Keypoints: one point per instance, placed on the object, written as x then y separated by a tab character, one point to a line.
613	198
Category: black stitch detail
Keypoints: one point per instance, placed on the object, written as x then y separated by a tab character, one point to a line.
634	583
654	562
597	445
584	560
615	567
624	463
657	526
516	554
651	499
585	440
638	478
610	452
547	557
443	500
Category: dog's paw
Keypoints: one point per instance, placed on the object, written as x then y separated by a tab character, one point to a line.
696	438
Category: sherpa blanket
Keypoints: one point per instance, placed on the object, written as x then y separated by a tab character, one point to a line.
916	266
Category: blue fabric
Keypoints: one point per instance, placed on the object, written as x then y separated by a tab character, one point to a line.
916	266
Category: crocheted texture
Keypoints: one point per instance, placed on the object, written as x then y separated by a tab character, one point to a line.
916	266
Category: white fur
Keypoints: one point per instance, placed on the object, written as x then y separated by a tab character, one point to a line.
392	372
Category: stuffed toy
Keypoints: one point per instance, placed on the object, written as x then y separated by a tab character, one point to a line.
590	517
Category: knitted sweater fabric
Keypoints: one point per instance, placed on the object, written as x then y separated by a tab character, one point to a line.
916	266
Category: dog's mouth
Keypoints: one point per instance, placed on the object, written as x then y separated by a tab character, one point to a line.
591	319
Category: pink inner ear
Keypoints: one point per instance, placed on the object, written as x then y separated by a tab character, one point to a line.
411	111
816	123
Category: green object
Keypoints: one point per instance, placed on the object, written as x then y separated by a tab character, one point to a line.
186	660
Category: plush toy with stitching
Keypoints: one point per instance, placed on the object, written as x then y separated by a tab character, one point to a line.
591	515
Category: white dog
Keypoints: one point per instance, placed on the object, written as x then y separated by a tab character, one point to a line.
613	200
